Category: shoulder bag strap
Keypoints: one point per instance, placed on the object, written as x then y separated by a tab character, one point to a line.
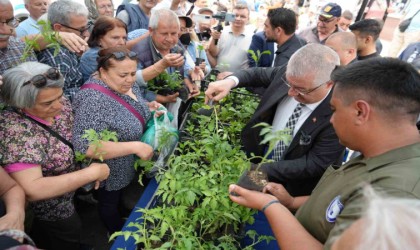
117	98
52	132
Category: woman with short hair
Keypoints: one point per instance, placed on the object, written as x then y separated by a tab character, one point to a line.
37	152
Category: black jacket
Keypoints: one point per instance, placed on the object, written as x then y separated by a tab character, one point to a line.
311	151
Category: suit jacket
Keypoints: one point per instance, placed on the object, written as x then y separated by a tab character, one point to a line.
259	43
311	151
287	49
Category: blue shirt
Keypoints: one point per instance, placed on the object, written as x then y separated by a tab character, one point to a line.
27	27
193	52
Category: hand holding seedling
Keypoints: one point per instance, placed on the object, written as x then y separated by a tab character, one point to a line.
280	193
217	90
249	198
173	60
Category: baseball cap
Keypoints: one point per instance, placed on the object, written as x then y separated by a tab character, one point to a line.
331	10
205	9
188	21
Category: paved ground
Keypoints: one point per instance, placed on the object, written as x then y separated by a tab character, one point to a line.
94	233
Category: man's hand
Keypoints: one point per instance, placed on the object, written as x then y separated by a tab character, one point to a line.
217	90
215	34
203	67
73	42
1	80
167	98
280	193
196	74
173	60
248	198
193	89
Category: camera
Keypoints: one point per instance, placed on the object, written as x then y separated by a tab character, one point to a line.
223	16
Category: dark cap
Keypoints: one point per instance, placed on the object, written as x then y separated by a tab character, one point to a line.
200	11
331	10
188	21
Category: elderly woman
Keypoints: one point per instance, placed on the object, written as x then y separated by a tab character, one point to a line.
36	151
109	32
112	101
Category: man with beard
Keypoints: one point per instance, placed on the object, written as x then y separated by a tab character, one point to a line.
280	27
327	24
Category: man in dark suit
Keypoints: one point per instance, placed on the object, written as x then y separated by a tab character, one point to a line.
259	43
279	28
306	83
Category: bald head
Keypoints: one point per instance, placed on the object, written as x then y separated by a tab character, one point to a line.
345	44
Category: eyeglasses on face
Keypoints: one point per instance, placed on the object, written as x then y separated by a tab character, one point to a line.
81	30
12	22
40	81
302	91
186	30
325	20
119	56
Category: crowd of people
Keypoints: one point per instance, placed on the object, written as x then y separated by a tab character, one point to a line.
327	84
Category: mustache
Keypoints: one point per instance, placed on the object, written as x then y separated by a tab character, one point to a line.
2	36
6	35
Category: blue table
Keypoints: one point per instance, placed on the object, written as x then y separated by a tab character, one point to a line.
144	202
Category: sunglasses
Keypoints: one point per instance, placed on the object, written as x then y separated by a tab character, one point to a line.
119	56
40	81
325	20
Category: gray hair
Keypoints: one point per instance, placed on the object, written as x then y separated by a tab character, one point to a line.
18	96
60	11
166	15
5	2
313	59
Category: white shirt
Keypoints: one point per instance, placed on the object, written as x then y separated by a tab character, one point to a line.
285	109
233	50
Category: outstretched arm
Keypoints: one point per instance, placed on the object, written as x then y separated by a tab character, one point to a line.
69	40
289	233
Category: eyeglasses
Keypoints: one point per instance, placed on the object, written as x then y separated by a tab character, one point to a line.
301	91
12	22
186	30
119	56
81	30
324	20
40	81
